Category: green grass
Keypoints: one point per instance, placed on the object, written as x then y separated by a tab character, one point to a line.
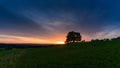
77	55
7	57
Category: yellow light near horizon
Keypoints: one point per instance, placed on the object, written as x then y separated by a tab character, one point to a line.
60	42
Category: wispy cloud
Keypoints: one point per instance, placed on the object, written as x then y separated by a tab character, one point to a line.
48	19
20	39
111	31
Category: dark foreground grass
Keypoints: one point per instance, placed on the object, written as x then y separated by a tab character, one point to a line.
77	55
7	57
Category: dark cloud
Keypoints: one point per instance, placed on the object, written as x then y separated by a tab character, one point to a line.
49	17
13	24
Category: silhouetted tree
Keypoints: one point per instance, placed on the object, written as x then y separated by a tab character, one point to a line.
118	38
73	37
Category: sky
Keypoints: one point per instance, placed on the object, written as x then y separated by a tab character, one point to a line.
49	21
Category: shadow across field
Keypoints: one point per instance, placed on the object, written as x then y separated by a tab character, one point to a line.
11	46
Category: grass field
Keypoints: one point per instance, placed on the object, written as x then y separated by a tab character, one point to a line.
76	55
8	57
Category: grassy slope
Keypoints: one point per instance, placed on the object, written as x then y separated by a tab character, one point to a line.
8	57
91	55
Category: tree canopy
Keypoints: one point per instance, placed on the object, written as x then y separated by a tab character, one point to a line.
73	37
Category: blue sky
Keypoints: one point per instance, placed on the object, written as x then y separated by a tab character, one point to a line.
48	19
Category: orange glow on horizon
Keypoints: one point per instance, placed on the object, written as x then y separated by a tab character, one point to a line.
60	42
56	39
20	39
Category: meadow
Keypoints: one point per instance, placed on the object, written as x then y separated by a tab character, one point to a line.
8	57
76	55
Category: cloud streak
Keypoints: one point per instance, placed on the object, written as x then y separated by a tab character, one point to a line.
48	19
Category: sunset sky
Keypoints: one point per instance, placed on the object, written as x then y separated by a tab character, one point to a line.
48	21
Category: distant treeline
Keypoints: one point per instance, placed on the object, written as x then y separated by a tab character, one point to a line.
73	37
94	43
103	40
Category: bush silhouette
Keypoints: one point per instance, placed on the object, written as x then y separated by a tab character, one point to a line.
73	37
